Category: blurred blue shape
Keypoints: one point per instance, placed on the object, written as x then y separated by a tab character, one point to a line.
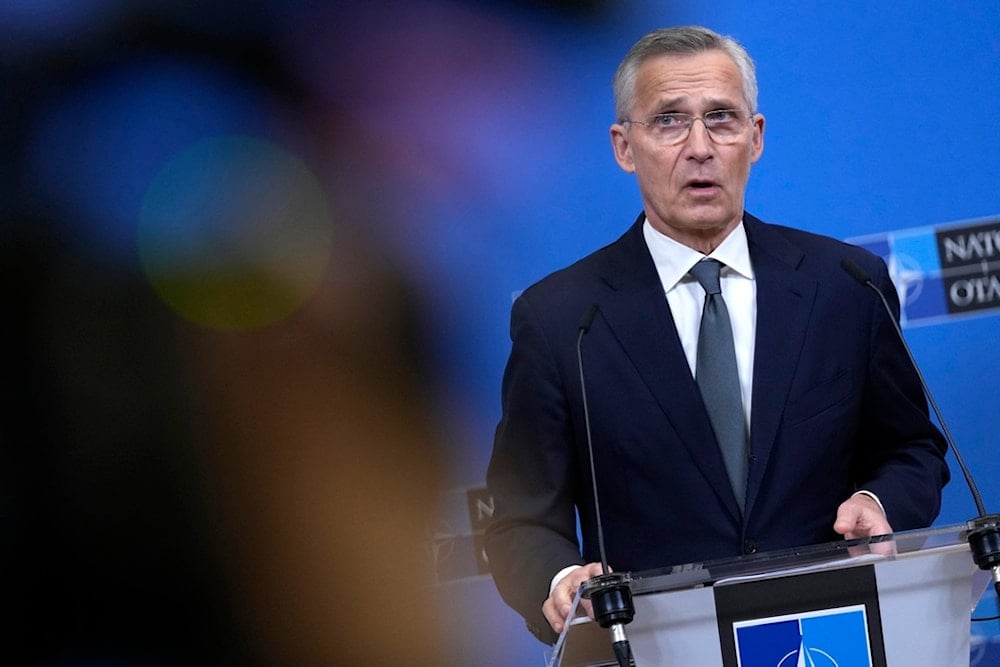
235	233
95	148
31	25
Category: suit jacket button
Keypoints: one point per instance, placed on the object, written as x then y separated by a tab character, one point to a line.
749	547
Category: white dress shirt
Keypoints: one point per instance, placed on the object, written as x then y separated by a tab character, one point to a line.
687	298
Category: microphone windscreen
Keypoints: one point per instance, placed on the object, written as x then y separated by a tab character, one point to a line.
588	318
856	271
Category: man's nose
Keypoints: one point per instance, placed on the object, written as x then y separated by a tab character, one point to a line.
698	141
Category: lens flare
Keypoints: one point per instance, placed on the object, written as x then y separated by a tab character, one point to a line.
235	233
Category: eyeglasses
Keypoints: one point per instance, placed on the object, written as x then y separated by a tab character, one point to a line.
725	126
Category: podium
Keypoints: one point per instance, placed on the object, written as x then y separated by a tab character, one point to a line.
902	599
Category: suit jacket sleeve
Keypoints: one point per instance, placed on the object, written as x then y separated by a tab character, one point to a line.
532	475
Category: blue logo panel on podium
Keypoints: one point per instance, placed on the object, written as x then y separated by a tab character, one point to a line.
827	638
828	618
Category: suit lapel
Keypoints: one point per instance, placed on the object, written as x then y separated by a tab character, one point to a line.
784	303
640	318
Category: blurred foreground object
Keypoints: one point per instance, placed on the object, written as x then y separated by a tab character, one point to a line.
174	493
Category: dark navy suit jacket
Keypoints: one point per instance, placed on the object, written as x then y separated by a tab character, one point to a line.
836	406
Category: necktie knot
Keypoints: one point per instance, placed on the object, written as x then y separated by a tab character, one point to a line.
706	272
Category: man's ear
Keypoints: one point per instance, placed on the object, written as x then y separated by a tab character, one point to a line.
757	141
622	147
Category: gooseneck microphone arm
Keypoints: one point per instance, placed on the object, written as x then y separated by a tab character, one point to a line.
585	322
984	531
859	274
610	592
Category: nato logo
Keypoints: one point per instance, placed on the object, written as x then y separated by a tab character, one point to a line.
944	271
827	638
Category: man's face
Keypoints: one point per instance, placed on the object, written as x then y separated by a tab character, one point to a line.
692	191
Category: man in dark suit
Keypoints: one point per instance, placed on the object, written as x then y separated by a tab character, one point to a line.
837	439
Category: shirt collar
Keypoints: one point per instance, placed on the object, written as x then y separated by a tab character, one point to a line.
673	260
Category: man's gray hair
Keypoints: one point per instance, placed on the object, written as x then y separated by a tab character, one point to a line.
687	40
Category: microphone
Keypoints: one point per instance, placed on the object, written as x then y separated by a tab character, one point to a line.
983	531
610	592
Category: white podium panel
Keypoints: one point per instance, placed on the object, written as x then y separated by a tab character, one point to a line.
904	599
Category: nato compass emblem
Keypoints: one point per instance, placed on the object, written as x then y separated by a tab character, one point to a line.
907	276
808	657
825	638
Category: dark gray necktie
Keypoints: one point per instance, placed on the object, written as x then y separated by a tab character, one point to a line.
718	379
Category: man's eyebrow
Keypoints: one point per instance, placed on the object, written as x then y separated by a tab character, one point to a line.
671	104
722	103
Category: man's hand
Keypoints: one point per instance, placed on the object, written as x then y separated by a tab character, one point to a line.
861	516
557	605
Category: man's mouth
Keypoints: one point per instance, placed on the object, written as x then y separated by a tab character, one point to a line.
698	184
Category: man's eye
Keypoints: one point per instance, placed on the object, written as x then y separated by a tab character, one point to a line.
722	116
669	119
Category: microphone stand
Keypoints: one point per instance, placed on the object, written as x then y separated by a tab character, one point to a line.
983	532
610	592
984	540
611	595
